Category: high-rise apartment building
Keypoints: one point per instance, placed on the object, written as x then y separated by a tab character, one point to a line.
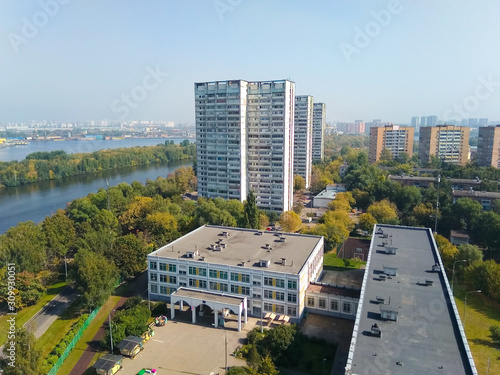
302	155
244	134
397	139
318	131
447	142
432	120
423	121
473	122
488	146
483	121
415	122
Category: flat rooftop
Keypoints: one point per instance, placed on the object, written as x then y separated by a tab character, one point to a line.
427	337
244	248
209	296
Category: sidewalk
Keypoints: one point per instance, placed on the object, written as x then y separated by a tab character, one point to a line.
93	347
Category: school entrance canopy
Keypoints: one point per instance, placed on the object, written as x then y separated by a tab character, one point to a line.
216	301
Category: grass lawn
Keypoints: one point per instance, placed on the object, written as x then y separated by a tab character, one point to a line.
25	314
59	328
481	314
88	335
312	359
331	262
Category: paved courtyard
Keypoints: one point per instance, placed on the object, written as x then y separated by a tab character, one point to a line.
181	347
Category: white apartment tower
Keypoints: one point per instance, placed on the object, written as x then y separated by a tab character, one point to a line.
244	134
302	155
318	131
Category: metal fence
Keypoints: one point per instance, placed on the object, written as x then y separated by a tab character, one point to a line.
73	342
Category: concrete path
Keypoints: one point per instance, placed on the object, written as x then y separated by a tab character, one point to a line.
48	314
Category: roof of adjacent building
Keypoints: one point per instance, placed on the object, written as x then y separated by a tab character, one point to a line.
459	234
333	290
476	194
427	337
107	362
285	252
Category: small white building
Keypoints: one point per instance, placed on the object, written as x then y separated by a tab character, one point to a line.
329	194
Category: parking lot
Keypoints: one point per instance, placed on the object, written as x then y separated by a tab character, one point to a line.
181	347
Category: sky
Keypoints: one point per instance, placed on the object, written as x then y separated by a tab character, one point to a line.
77	60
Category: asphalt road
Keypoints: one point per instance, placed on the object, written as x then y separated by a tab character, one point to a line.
42	320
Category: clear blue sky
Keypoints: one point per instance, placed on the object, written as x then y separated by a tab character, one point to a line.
82	57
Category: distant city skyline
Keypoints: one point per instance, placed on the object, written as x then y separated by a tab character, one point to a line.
69	61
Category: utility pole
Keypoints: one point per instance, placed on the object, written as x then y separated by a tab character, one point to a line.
437	205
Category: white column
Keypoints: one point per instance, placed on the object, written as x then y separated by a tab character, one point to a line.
245	305
193	314
172	309
182	305
239	319
215	318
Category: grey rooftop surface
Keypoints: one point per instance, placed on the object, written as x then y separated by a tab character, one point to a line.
427	336
244	248
208	296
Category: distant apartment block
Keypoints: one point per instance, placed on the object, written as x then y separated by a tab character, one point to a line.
415	121
397	139
351	127
302	155
447	142
318	131
488	146
244	134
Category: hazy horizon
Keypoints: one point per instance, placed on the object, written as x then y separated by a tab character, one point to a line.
68	60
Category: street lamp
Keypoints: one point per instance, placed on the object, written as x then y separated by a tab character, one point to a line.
453	274
488	368
465	302
110	331
437	205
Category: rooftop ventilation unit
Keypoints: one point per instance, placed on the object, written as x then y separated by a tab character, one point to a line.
389	313
191	254
375	330
429	282
436	268
202	259
264	263
282	239
259	233
390	250
225	234
268	246
390	271
380	231
283	261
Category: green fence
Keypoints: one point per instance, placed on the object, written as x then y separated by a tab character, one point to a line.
73	342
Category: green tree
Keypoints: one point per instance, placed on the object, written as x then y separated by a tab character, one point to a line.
60	234
495	334
385	212
386	155
465	213
129	254
485	276
290	221
298	183
278	340
342	201
367	222
253	357
263	221
162	227
447	250
471	253
28	355
25	244
251	211
94	277
266	367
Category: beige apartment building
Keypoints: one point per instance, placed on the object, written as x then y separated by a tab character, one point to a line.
447	142
488	146
397	139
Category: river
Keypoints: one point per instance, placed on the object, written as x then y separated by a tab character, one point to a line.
73	147
36	201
